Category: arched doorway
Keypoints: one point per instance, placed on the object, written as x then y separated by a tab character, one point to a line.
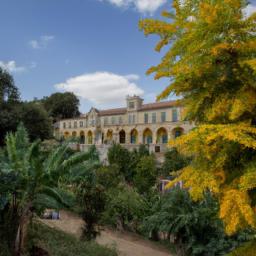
74	134
134	136
177	132
66	135
89	137
162	136
82	137
122	137
109	136
147	136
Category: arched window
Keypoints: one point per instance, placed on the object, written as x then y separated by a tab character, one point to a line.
147	136
109	135
89	137
82	137
134	136
162	136
122	137
177	132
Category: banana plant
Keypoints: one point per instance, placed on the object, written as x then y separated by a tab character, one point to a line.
37	178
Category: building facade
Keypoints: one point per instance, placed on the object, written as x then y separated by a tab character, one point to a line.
152	124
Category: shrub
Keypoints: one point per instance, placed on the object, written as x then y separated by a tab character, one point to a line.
195	226
125	208
109	176
146	174
121	157
173	162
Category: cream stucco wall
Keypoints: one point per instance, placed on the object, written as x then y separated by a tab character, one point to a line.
96	125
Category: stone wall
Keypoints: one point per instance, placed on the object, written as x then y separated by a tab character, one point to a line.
158	149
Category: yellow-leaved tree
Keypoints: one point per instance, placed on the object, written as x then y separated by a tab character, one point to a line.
211	63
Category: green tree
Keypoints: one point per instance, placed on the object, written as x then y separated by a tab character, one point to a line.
143	150
211	64
125	208
146	174
109	176
62	105
36	179
91	198
8	91
173	161
120	156
90	195
9	104
37	121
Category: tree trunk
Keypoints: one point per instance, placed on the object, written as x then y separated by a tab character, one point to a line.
120	224
22	230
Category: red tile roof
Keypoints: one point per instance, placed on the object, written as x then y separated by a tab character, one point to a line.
144	107
114	111
159	105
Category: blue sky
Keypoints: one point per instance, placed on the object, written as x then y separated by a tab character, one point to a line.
90	47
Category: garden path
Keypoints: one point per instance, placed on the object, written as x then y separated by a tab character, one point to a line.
127	244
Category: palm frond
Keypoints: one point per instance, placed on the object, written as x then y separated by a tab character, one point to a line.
75	160
56	157
62	197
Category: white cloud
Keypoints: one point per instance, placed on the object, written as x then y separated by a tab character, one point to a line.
102	88
143	6
42	42
12	67
250	9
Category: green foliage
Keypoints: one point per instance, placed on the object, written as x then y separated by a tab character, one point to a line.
126	160
125	208
58	243
90	195
173	162
30	180
37	115
61	105
36	121
196	228
143	150
9	93
9	104
109	176
146	174
92	202
122	158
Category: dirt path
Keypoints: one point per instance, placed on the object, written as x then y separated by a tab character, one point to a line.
127	244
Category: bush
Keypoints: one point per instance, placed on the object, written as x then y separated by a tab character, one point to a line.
146	174
125	208
92	203
121	157
109	176
195	226
173	162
